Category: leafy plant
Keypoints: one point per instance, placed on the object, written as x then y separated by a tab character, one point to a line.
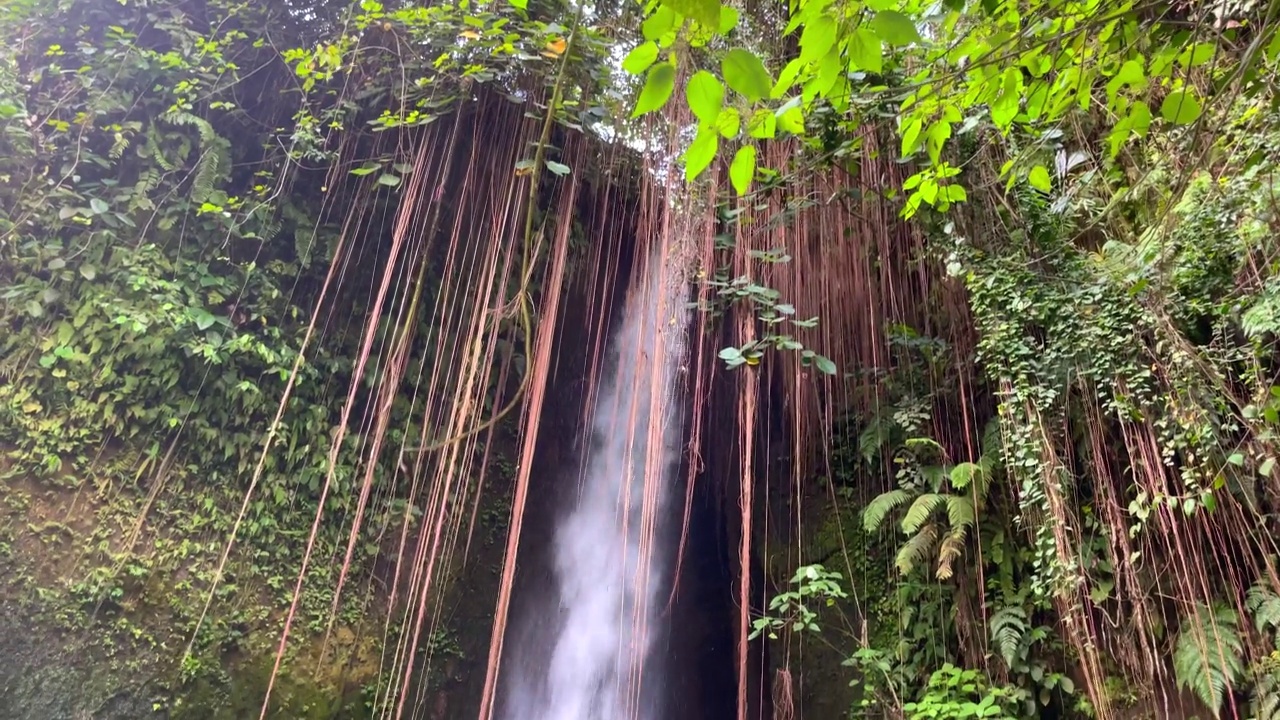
793	607
1208	658
954	693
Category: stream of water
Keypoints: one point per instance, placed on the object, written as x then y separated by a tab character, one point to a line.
608	590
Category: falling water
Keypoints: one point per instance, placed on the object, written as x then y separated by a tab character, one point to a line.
609	549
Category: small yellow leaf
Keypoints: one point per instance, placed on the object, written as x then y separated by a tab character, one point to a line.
469	34
556	47
752	360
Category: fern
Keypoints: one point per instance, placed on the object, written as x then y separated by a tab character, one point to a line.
1265	702
214	162
878	508
920	511
1008	626
960	512
916	550
1208	659
1264	606
877	433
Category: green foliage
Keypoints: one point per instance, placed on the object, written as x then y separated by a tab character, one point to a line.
924	497
954	693
1208	658
792	608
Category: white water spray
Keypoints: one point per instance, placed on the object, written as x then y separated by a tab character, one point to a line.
607	592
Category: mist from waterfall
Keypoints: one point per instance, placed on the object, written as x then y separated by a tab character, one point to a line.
607	594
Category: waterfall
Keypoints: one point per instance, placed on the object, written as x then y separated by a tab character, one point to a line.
609	549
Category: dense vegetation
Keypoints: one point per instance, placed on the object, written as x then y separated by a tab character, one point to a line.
1005	270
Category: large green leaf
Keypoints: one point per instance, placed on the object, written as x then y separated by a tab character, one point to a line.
701	152
1005	106
705	95
729	122
657	89
746	74
763	124
1180	107
641	58
818	37
895	28
706	12
659	23
743	169
866	52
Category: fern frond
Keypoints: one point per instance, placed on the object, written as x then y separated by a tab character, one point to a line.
878	432
933	476
1265	702
916	550
920	511
950	549
880	506
960	512
1208	656
964	473
1264	606
1008	626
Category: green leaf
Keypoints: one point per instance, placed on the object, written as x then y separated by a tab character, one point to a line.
792	120
1236	459
700	153
866	51
1197	55
745	74
1266	467
825	365
1005	107
57	263
659	23
557	168
389	180
1180	107
1039	179
729	122
1130	74
98	206
1137	122
786	78
366	170
728	20
911	136
743	169
66	212
520	4
203	319
705	95
705	12
88	272
641	58
763	125
657	89
895	28
818	37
